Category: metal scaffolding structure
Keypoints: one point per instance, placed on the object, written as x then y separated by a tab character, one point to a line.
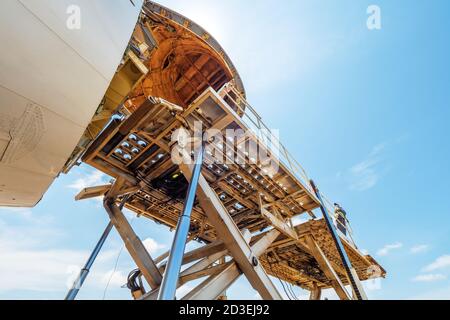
237	195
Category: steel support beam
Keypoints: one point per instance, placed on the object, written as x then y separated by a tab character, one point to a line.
199	253
215	285
228	231
351	272
171	274
133	244
87	193
316	293
193	275
279	224
93	192
218	283
196	267
72	294
327	268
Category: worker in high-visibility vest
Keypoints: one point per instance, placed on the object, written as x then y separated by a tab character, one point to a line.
341	218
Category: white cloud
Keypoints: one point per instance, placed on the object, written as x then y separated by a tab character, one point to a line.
440	263
36	270
114	278
419	249
431	277
26	265
22	212
434	294
30	260
388	248
153	246
33	233
364	175
89	180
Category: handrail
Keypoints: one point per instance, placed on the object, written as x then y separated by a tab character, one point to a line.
348	226
256	124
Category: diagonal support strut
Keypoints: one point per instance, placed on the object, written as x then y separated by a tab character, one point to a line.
351	272
228	231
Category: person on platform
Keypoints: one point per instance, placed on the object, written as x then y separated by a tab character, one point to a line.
341	218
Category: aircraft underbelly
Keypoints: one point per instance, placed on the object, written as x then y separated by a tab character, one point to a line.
52	80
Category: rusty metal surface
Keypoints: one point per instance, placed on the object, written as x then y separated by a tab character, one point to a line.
139	150
200	32
292	261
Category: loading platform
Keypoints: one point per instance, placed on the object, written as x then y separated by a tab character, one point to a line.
187	151
258	194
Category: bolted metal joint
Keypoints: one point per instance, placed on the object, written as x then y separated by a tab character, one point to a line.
255	261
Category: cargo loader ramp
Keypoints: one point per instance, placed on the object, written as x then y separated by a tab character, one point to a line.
186	150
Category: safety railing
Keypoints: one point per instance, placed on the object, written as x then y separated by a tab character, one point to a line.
265	135
255	123
349	231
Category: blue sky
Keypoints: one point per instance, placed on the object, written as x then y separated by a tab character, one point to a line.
365	112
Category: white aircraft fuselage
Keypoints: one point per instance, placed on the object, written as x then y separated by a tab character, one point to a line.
57	60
